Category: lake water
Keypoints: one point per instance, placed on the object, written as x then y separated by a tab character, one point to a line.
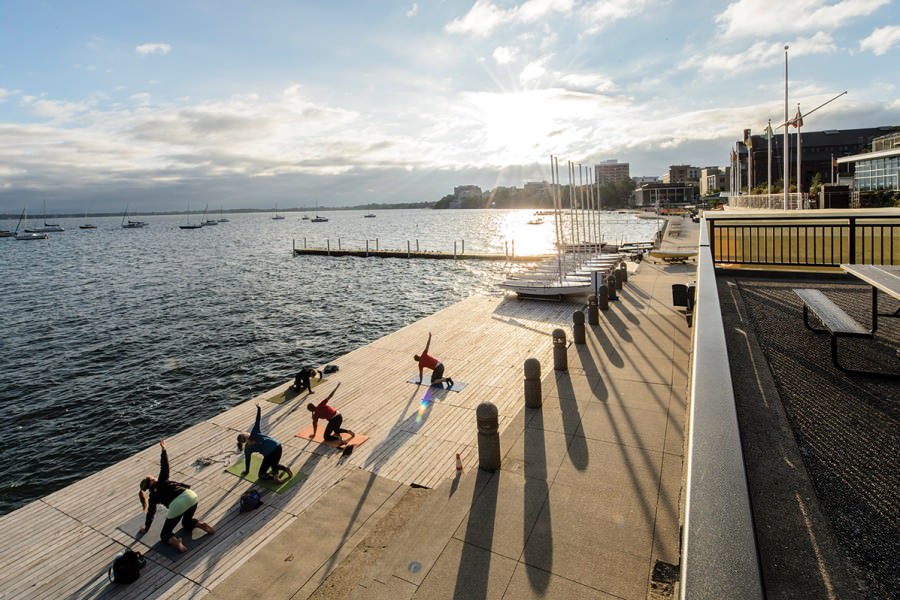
114	338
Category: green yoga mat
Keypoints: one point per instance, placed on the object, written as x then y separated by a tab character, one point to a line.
291	393
253	475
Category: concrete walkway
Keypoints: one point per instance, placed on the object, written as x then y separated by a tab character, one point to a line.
586	503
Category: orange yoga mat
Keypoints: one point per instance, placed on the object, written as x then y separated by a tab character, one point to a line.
356	440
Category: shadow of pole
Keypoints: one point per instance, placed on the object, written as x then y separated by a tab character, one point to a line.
578	451
538	551
474	571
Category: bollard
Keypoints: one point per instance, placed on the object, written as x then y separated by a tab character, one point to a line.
532	370
486	416
578	327
617	274
603	298
593	313
611	286
560	360
624	268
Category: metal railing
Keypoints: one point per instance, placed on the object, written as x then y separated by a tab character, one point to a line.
719	557
804	240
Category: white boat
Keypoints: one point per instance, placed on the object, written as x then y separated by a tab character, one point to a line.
48	227
129	224
190	225
27	235
317	218
222	219
536	221
277	217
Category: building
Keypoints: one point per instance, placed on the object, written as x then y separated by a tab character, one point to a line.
878	169
467	192
682	174
611	171
664	195
713	179
821	152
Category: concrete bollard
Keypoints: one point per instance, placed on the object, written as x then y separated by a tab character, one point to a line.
593	313
624	268
578	327
560	360
486	416
532	370
603	298
619	277
611	286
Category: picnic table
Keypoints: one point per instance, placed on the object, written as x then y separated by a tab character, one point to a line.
885	278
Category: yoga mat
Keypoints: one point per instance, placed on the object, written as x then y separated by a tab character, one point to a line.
253	475
291	393
458	385
353	442
193	539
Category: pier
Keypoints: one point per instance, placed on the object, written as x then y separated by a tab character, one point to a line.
459	252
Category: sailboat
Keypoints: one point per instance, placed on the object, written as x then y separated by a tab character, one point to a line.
129	224
190	225
206	221
223	219
317	218
28	235
48	227
277	217
87	225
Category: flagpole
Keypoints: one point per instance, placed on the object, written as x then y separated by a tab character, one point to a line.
787	165
799	125
769	163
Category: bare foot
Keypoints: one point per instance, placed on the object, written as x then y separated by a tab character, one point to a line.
206	527
176	541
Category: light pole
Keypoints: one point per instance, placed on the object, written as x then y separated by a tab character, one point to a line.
787	166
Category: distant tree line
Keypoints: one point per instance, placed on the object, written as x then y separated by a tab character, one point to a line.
612	196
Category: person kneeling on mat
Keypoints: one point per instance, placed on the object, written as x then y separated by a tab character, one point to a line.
303	379
178	497
257	441
426	361
334	419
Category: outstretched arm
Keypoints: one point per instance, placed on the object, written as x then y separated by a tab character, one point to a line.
256	428
163	462
427	344
328	397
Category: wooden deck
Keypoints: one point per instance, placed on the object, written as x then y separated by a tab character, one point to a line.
61	545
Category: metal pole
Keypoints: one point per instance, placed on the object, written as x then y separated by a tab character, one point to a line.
799	191
787	166
769	163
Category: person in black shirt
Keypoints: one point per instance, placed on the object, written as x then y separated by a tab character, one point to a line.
177	497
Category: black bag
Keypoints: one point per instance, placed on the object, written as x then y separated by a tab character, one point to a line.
330	369
250	500
126	568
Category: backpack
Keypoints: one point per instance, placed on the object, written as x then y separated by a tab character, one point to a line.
330	369
127	566
250	500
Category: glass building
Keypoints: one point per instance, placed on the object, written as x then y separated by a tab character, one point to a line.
879	169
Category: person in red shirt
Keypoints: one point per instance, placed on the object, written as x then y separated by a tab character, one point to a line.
426	361
334	419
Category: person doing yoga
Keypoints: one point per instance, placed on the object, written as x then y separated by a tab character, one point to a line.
334	419
179	498
426	361
257	441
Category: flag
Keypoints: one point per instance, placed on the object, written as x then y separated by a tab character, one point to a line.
798	120
769	133
746	137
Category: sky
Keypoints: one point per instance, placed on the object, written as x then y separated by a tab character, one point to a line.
239	104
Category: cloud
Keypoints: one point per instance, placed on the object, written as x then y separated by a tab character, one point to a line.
153	48
760	55
485	16
503	55
752	18
881	40
413	10
603	13
4	94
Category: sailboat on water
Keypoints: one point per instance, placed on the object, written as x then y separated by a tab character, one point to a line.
277	217
190	225
129	224
48	227
317	218
28	235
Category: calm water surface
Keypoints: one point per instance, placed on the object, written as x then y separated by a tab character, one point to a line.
114	338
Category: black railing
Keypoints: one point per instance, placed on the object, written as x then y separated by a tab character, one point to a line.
804	240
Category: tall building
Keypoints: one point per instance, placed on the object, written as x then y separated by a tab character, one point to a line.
682	174
712	179
611	171
819	152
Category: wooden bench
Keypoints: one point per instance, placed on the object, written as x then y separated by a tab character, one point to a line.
837	322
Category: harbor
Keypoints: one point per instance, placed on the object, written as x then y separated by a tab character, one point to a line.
414	435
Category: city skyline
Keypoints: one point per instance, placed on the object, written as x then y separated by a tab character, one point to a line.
345	104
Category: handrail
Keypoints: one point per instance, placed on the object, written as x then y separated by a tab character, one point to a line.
806	240
719	557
